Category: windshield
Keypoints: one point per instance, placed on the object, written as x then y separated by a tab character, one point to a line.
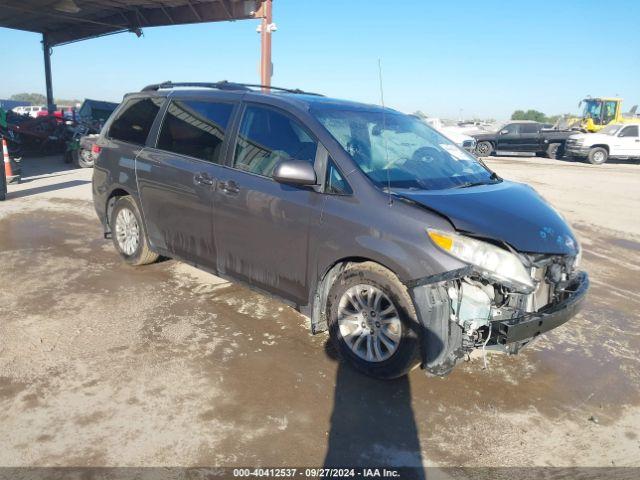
611	129
401	151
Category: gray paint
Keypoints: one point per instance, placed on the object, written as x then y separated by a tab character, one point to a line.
283	238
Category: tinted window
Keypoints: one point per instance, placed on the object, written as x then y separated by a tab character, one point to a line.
335	182
267	137
509	129
195	128
135	121
529	128
631	131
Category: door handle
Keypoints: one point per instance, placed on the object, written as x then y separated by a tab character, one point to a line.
203	179
229	187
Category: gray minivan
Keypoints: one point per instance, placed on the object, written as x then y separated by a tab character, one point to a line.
405	247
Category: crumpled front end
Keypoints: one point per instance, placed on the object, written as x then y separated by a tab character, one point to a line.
469	310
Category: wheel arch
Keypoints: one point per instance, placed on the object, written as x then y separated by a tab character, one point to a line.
320	290
600	145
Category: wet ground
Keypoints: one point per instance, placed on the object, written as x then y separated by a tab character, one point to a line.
105	364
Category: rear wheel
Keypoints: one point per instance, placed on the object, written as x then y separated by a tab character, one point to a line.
128	233
598	156
372	321
484	149
553	150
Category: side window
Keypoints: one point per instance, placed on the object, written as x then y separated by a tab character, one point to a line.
630	131
510	129
529	128
334	182
195	128
267	137
135	121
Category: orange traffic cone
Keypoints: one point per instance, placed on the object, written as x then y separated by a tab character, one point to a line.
8	172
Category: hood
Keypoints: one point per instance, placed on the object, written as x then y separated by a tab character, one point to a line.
510	212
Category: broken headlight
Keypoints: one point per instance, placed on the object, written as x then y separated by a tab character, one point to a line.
490	261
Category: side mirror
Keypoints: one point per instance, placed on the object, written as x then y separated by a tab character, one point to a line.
504	132
295	172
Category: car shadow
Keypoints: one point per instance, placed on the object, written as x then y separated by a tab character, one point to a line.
372	423
45	188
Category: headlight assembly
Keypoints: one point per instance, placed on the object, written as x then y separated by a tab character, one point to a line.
490	261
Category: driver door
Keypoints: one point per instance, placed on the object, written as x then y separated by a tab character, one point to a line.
508	138
262	226
628	142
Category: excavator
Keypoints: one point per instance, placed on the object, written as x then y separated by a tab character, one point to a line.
597	113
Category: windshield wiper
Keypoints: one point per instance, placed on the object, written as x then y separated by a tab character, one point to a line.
494	179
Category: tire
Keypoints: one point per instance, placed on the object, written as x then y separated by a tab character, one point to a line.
400	327
554	150
484	149
82	158
597	156
134	253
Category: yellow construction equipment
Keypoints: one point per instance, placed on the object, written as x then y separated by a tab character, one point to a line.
597	113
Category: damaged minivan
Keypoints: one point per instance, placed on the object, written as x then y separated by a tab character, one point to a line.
405	247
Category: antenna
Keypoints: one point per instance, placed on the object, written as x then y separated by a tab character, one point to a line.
384	127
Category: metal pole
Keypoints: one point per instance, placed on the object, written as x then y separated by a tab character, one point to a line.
265	39
47	73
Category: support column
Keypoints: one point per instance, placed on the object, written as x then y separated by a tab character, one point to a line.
47	73
266	28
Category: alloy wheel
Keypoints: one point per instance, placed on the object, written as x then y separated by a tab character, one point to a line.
369	323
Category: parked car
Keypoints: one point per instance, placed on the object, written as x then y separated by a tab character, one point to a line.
404	246
453	133
522	138
31	110
619	141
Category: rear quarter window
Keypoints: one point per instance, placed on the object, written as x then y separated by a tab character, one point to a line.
134	122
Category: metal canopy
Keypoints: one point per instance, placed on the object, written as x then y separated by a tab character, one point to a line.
65	21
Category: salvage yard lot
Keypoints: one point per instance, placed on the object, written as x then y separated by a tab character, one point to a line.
105	364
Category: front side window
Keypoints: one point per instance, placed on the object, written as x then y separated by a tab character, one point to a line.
267	137
195	128
134	123
335	183
509	129
630	131
400	151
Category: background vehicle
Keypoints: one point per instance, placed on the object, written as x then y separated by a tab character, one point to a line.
619	141
597	113
352	213
453	133
31	110
522	138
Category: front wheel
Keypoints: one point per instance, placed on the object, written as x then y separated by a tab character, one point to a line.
597	156
372	321
128	233
484	149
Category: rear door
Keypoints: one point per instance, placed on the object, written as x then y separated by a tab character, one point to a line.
627	143
508	138
262	226
177	178
528	138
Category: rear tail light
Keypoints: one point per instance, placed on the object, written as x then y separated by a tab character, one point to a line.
95	149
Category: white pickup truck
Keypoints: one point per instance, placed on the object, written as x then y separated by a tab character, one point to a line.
621	141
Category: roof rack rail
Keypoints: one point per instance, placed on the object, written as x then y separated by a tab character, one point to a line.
222	85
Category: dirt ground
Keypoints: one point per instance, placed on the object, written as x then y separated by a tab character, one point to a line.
102	364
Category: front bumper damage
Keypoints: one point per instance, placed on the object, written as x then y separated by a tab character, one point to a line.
461	311
531	325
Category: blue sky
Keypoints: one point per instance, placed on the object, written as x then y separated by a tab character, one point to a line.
486	57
